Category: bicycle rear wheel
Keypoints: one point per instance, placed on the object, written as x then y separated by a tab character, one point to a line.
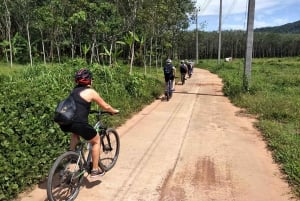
65	177
182	79
167	95
110	143
170	89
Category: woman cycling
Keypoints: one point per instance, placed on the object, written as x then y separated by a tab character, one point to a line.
84	95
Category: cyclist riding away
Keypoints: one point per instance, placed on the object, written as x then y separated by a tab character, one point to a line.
84	95
183	71
168	73
190	68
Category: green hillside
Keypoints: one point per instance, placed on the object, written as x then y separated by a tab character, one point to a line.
293	28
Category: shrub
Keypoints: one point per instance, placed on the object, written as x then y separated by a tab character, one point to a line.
29	139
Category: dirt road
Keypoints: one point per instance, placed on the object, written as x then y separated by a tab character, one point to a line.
197	146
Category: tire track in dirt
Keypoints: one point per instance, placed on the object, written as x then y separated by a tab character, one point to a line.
223	157
138	168
176	191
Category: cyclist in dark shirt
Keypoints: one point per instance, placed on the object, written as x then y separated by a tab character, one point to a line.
190	69
168	72
84	95
183	71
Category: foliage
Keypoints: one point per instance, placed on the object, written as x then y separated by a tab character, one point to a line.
82	28
52	30
30	140
274	98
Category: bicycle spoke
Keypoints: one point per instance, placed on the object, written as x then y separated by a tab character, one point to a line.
110	149
65	177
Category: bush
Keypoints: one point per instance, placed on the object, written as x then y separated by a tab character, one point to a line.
30	140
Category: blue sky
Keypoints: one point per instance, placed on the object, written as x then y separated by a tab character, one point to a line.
267	13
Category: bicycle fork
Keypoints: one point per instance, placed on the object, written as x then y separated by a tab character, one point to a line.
105	147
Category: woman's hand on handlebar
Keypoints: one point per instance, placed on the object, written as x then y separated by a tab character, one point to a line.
115	112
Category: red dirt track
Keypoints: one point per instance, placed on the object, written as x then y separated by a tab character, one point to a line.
195	147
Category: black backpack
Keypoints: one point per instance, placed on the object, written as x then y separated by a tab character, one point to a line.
168	69
65	111
183	68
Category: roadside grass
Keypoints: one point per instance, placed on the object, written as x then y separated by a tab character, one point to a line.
8	72
274	97
6	69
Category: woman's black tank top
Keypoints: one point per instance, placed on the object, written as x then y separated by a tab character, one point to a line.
82	106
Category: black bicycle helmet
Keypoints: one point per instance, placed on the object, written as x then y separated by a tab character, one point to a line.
83	77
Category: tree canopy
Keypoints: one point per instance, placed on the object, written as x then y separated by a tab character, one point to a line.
54	29
136	32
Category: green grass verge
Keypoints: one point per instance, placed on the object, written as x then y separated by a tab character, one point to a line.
274	96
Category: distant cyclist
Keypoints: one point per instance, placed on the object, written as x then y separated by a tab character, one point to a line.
183	71
190	68
168	72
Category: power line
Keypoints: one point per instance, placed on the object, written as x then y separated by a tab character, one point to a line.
233	3
205	5
246	13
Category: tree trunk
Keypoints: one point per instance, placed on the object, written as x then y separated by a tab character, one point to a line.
144	56
8	26
72	42
93	48
51	51
151	50
43	46
97	54
110	53
132	56
58	52
29	43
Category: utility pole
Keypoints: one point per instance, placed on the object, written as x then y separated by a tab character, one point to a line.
197	45
220	33
249	45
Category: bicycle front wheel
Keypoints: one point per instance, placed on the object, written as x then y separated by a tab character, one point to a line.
110	143
65	177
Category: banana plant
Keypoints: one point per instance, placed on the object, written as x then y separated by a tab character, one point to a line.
85	50
129	39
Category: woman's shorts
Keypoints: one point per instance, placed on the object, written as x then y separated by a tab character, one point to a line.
82	129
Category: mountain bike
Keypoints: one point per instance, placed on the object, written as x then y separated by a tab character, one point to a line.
67	173
168	91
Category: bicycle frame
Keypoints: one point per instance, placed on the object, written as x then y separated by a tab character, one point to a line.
87	160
